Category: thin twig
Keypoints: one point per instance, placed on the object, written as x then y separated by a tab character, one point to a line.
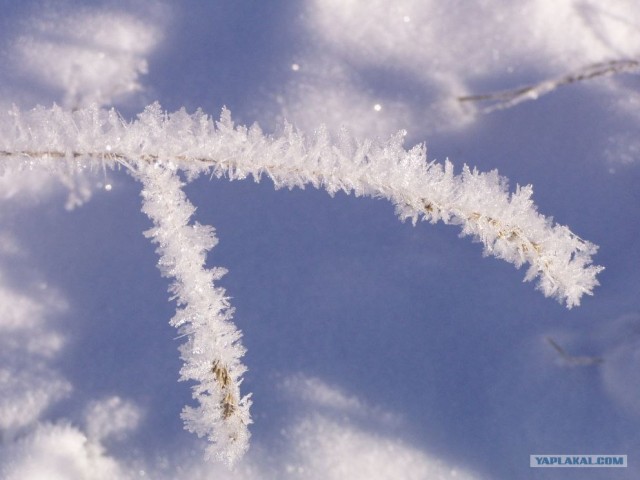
509	98
571	360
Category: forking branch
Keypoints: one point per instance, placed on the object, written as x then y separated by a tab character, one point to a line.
158	147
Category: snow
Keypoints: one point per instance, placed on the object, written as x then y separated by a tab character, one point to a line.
374	348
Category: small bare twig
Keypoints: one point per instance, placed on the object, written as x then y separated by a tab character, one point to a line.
509	98
574	361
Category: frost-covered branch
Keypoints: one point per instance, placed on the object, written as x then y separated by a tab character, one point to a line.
157	147
507	224
212	352
509	98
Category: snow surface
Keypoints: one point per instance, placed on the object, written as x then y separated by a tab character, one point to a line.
375	349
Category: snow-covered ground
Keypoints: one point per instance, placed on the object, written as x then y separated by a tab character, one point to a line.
376	349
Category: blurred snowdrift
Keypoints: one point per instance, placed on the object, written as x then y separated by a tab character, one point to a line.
84	56
378	66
